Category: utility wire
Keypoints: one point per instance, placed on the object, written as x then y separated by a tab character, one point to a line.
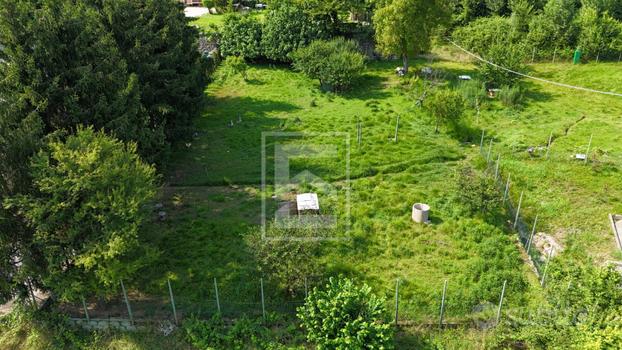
532	77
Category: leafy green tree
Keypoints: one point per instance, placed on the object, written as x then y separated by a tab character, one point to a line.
288	27
480	34
335	63
241	36
509	56
406	27
161	49
600	34
345	316
445	106
86	209
554	27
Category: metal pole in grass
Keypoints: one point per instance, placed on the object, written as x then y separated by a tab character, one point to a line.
127	303
497	167
86	311
501	302
170	292
440	321
548	145
397	299
520	202
533	54
397	126
481	144
507	188
546	267
306	289
554	54
263	302
587	152
489	150
533	231
217	299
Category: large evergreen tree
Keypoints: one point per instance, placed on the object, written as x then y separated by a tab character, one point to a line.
159	46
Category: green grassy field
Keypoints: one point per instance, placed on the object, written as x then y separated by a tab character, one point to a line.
216	180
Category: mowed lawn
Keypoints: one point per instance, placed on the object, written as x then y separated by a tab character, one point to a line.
213	196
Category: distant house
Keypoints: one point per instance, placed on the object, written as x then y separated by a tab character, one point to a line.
191	2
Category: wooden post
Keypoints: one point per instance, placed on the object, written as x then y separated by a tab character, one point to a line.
548	146
170	292
481	144
263	302
440	322
546	267
501	302
497	167
86	310
507	189
397	126
588	149
397	300
520	202
489	150
217	299
127	303
533	232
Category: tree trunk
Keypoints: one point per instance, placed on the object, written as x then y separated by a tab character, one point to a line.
405	62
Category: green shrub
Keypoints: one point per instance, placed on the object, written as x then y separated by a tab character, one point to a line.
509	56
477	192
241	36
510	96
335	63
288	27
445	106
346	316
232	66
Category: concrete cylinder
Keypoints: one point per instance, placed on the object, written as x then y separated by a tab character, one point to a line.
420	212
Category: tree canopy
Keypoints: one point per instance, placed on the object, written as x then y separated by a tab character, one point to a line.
86	208
406	27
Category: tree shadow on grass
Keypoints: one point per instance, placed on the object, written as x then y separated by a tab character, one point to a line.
227	144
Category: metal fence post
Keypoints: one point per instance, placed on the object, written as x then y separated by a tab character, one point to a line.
170	292
217	299
546	267
501	302
481	144
548	146
507	188
263	302
127	303
306	289
397	126
489	150
520	202
587	152
397	300
497	167
440	321
533	231
86	311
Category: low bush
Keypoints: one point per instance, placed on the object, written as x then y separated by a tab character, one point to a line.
335	63
511	96
241	36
